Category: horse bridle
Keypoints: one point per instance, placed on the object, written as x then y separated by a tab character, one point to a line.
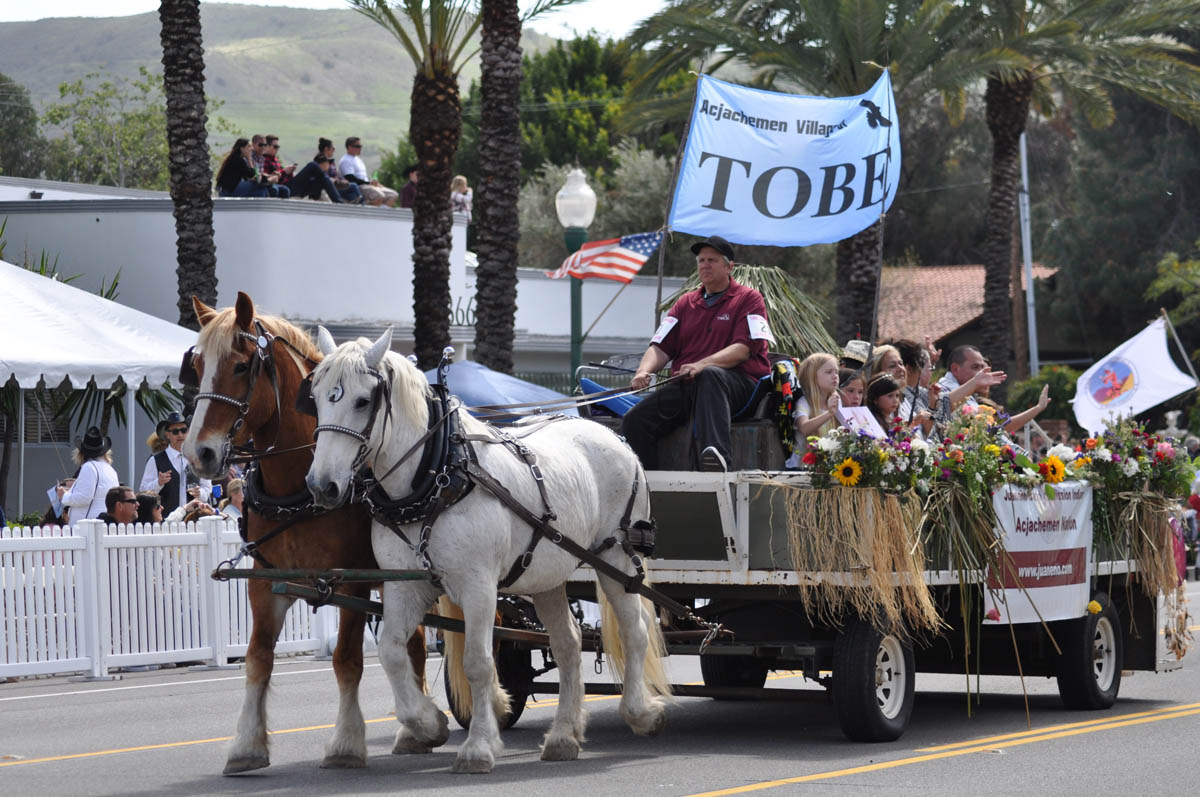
380	397
262	361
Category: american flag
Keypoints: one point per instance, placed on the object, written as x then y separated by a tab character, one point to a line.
617	259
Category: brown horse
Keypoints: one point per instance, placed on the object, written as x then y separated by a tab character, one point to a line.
240	389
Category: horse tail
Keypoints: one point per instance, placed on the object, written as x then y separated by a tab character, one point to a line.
654	673
456	675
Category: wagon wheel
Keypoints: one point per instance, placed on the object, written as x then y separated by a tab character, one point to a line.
873	682
1089	669
514	667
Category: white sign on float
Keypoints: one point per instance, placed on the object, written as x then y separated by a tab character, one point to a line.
1049	544
775	169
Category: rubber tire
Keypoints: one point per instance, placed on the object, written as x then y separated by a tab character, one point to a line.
733	671
1078	681
514	666
856	664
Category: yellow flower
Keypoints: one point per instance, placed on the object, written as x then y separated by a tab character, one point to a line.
1082	462
992	449
988	414
1094	607
848	472
882	455
1055	470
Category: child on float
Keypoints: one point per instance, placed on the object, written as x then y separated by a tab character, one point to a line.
815	412
852	385
883	399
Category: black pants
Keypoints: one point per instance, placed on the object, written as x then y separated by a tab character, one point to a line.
309	182
708	401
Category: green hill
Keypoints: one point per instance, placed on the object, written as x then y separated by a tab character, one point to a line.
293	72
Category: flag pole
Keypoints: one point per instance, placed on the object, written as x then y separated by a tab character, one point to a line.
1187	360
605	310
662	247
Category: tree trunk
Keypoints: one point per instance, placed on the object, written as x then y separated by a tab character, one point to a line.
1007	109
435	125
1020	340
858	271
497	228
187	142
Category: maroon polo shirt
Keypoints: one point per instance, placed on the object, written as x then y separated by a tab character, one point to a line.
704	330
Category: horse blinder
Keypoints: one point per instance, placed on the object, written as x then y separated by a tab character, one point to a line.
305	403
188	376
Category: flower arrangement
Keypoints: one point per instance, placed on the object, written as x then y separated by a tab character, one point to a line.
897	464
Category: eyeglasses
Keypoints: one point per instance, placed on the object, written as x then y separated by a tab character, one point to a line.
178	430
354	146
126	500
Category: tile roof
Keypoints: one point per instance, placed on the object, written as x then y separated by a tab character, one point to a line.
933	300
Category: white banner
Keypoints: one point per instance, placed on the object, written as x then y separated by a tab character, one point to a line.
1049	544
1134	377
784	170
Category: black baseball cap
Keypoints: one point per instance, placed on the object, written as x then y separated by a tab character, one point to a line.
716	242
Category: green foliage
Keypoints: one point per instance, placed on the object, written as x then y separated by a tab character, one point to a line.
114	132
1179	280
1061	379
21	147
391	170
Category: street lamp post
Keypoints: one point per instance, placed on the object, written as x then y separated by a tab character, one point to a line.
575	204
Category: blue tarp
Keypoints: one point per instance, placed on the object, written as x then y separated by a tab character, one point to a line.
477	385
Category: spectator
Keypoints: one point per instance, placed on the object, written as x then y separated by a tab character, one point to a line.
272	166
310	181
918	396
236	176
885	359
191	512
348	190
408	194
232	506
883	399
120	506
351	167
856	354
86	496
257	144
461	196
149	508
167	472
155	443
51	519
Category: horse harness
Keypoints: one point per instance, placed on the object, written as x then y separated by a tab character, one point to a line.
449	469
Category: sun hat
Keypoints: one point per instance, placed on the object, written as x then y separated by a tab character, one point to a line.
93	443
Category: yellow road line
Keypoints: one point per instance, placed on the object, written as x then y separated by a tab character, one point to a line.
1050	728
903	762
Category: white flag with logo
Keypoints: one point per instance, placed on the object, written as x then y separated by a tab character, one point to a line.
1132	378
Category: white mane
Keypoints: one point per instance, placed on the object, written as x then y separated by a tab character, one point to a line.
410	390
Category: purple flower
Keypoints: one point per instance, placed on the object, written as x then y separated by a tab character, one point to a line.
1116	458
946	474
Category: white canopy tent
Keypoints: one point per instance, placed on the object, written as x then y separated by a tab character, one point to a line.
52	331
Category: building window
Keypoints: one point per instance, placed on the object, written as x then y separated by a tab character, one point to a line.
40	424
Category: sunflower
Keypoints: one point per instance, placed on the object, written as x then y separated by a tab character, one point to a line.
848	473
1055	470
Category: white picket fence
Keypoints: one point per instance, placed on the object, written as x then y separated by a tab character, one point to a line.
93	598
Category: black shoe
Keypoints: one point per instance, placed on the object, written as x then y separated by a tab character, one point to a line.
712	461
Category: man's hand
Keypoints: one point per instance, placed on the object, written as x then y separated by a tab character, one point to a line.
640	380
690	370
164	476
987	377
935	353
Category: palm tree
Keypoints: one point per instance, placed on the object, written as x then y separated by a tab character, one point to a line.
187	141
831	48
497	228
1073	53
437	36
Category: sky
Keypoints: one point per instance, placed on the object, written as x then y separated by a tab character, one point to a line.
613	18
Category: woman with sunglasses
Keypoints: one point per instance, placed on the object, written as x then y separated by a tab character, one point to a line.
167	472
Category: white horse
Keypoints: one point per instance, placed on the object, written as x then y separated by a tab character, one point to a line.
590	474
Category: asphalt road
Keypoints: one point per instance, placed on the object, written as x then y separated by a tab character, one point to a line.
165	733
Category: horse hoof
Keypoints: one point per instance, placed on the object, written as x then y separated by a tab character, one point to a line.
344	761
473	766
247	763
408	745
650	725
562	748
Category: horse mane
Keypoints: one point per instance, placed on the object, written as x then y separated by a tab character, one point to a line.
217	336
410	388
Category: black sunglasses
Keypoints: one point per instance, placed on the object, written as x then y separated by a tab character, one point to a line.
127	500
178	430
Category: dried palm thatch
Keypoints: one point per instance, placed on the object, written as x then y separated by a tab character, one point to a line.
1147	519
797	321
871	540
